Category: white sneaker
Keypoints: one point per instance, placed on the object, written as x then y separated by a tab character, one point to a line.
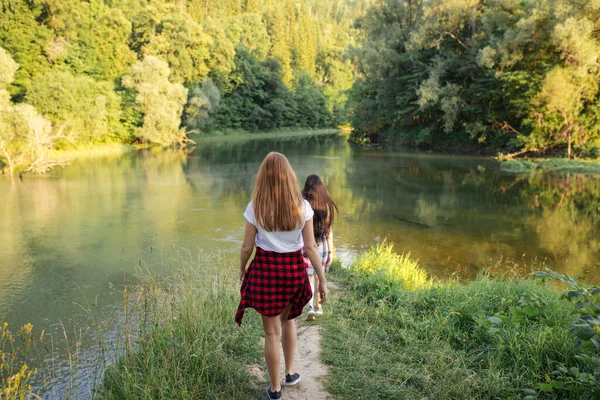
319	311
311	314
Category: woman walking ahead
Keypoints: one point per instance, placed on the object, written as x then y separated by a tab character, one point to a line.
324	209
279	223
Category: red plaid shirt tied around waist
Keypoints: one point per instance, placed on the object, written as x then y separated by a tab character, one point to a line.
274	280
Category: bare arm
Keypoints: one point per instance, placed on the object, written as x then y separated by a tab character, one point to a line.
247	247
310	247
329	246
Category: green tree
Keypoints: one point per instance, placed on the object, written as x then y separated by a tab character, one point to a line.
112	55
305	43
25	135
336	74
311	104
25	39
249	30
226	34
159	101
76	62
168	32
561	110
84	110
279	21
518	75
260	100
203	102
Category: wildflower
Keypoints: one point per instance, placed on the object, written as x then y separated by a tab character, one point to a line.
548	380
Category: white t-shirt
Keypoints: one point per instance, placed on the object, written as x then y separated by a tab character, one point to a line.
280	242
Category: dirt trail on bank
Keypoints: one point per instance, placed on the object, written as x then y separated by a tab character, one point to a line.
308	362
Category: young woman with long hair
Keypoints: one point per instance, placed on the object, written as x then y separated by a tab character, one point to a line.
279	223
324	209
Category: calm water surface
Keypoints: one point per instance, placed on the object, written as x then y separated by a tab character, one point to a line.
76	234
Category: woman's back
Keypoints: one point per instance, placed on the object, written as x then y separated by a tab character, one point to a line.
279	241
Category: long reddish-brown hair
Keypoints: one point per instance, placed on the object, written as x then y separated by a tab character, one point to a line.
277	199
322	204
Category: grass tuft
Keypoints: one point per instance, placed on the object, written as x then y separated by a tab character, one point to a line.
518	166
383	275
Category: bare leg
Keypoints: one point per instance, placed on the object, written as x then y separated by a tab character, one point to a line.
312	279
317	295
288	340
272	326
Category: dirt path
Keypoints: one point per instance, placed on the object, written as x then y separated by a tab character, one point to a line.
308	361
308	364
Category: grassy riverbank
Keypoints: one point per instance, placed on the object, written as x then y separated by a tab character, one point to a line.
235	135
553	164
55	158
186	344
390	332
393	333
89	152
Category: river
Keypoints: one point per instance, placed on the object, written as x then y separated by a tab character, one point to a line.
69	239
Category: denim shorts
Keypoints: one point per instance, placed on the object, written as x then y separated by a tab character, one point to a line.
323	252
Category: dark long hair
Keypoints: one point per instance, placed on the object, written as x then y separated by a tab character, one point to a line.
322	204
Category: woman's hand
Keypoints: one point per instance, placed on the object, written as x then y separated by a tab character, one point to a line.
322	290
242	273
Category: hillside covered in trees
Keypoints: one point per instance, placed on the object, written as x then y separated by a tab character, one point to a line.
515	76
96	71
521	76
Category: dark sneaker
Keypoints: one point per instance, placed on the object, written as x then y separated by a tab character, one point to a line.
273	395
292	379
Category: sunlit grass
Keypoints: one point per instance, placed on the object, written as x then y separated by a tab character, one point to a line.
382	273
408	337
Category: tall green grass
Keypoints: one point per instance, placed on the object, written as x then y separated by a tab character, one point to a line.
392	333
381	273
180	340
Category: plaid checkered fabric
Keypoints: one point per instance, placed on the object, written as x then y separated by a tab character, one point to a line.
274	280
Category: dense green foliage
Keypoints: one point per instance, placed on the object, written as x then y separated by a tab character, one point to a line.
511	74
408	337
153	71
584	381
24	133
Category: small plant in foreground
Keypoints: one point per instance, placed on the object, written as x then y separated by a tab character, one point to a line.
14	375
383	274
587	332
